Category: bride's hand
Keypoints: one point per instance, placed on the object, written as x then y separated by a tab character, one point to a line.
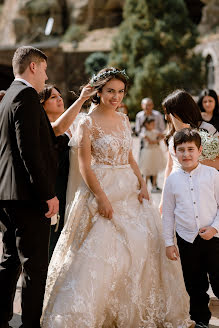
160	207
104	207
87	92
143	194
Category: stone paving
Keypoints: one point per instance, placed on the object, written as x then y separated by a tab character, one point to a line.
214	303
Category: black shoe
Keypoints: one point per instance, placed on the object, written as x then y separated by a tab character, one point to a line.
201	325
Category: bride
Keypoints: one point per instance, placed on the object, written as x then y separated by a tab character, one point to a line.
109	267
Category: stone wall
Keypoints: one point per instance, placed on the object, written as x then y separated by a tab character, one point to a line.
65	69
210	17
24	21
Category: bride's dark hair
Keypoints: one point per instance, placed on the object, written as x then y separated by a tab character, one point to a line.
105	75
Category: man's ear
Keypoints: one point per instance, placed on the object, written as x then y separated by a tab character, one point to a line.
32	67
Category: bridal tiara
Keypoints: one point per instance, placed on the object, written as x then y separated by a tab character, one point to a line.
105	74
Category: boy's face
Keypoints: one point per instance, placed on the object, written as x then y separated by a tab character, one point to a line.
188	154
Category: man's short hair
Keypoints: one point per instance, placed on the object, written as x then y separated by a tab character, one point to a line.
186	135
145	100
23	56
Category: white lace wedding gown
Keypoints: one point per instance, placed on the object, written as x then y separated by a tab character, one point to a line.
113	273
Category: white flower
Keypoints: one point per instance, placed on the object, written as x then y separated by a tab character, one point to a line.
210	146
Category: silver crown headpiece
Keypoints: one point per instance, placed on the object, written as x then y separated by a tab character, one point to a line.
103	75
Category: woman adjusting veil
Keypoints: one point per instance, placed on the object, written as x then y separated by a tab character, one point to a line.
109	267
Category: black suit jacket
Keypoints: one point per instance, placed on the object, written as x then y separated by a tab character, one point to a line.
28	160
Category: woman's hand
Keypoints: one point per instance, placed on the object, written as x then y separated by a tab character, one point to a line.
87	92
143	192
104	207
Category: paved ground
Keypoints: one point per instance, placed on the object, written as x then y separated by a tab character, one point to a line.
214	303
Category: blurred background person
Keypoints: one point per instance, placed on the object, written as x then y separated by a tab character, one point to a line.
123	108
208	104
148	110
152	160
147	106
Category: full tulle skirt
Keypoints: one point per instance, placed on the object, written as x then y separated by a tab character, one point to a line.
114	273
152	160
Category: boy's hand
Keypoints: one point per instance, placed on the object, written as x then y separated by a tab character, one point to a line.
207	232
172	253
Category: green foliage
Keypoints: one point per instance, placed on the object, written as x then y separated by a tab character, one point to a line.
154	45
95	62
75	33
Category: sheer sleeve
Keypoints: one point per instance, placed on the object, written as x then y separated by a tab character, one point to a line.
80	127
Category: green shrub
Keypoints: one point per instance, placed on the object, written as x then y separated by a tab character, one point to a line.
154	44
95	62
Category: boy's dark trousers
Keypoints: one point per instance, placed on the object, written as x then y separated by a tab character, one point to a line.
200	261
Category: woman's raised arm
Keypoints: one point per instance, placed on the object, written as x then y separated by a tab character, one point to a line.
63	123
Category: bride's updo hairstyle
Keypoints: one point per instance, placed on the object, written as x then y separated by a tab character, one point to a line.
105	75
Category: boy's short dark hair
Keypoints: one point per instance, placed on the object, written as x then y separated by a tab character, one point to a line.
23	56
186	135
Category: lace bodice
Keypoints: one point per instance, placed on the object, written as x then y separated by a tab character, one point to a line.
107	147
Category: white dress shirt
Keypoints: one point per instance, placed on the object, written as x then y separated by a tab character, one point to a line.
158	117
24	81
190	202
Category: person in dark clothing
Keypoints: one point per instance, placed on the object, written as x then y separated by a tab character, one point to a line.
208	104
53	104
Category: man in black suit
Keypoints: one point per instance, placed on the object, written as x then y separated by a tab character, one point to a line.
28	167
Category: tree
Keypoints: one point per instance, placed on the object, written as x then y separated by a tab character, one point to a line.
95	62
154	44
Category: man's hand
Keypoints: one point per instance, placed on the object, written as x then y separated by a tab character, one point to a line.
172	253
207	232
53	205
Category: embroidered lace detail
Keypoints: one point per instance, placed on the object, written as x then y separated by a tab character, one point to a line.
108	147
